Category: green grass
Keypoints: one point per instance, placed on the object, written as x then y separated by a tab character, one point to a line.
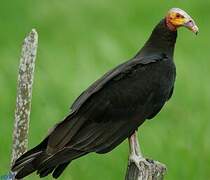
81	40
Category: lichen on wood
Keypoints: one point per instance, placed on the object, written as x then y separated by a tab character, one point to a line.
24	95
153	170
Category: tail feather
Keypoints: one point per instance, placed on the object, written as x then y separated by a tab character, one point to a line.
46	172
29	161
25	161
30	166
61	157
25	171
30	155
51	155
59	170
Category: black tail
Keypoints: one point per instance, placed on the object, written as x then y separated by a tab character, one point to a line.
33	160
29	161
51	155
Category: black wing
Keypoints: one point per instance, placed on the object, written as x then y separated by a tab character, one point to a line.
117	71
113	107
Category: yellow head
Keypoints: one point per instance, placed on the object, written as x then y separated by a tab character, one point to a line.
177	17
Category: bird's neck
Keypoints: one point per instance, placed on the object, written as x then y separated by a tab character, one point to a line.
161	40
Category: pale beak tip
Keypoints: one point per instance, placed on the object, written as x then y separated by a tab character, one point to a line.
196	30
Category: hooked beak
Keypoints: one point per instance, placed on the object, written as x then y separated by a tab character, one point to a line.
190	24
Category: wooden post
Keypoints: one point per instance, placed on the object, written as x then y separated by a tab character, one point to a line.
153	170
24	95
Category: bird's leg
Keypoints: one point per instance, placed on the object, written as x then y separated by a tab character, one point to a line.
135	151
134	145
140	168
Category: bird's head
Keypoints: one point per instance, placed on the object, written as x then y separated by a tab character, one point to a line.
176	18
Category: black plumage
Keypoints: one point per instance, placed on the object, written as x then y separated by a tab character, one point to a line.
110	110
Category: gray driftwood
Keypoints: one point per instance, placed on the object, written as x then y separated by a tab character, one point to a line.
24	95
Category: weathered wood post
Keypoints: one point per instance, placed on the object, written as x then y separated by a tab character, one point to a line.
24	95
154	170
147	169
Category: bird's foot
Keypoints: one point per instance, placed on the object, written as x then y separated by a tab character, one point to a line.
146	168
140	161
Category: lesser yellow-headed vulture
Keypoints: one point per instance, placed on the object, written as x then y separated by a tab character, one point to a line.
114	106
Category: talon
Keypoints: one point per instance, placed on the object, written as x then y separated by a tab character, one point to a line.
139	161
150	160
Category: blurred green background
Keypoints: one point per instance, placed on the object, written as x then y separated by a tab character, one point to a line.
81	40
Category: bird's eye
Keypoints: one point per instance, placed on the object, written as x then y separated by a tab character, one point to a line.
178	15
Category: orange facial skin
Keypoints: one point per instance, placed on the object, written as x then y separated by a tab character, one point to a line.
177	18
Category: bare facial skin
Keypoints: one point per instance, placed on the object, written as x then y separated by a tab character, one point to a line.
176	18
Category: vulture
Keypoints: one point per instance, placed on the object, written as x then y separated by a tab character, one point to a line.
114	106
